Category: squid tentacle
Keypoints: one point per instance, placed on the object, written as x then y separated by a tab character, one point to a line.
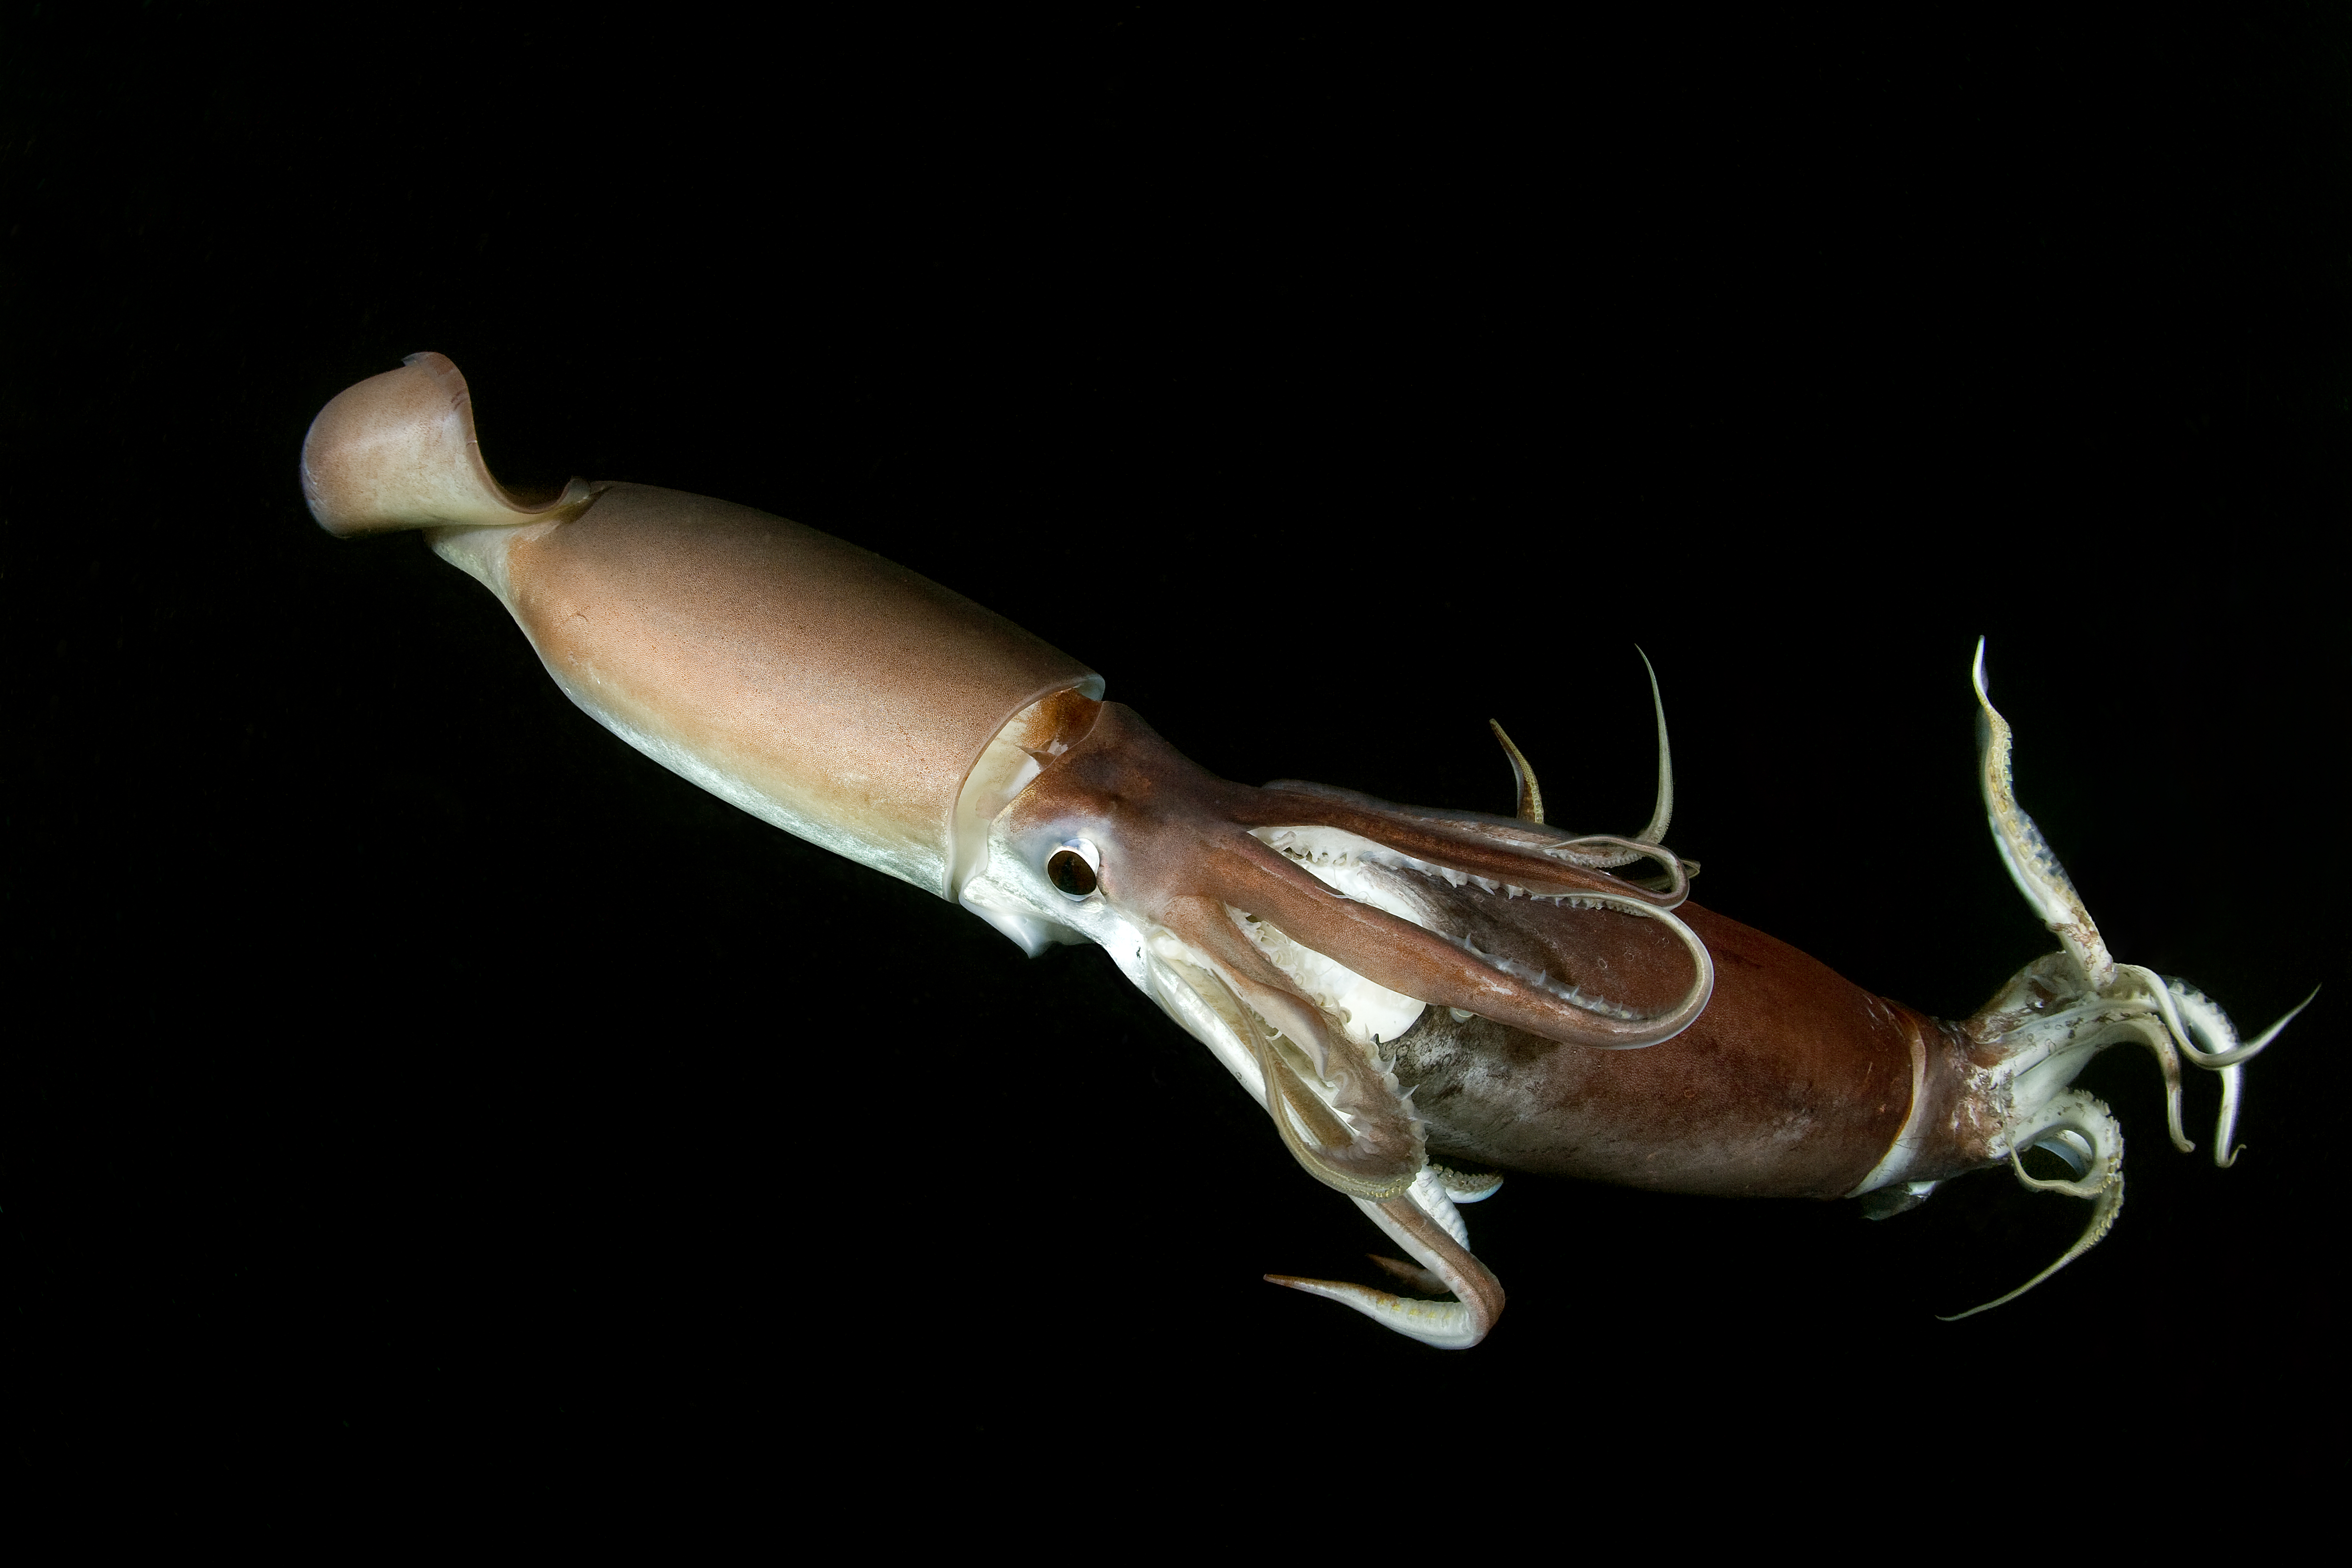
1530	794
1414	1276
1402	891
1467	1187
1288	1101
2038	1048
2207	1018
1674	883
1500	849
1364	1140
2084	1134
1523	777
2031	864
1540	880
1430	1196
2168	1065
1432	967
2173	999
1457	1325
1664	813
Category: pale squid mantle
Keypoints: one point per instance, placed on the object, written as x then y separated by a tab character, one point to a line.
823	690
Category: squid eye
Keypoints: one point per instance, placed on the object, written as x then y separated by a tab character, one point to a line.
1072	868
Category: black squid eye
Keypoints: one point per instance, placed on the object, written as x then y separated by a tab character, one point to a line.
1071	869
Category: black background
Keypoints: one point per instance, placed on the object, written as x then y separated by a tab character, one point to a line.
403	1067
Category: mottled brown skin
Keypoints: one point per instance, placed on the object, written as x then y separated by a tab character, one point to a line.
1794	1083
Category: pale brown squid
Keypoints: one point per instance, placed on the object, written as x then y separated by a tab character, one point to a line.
1419	999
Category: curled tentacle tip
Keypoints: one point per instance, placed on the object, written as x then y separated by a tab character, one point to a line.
1977	672
2288	1018
2215	1061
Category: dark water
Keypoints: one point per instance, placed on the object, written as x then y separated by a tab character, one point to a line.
404	1066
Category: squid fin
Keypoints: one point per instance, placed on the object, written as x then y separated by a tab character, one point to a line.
398	451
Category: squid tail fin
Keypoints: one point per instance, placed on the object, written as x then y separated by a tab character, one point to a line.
398	451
